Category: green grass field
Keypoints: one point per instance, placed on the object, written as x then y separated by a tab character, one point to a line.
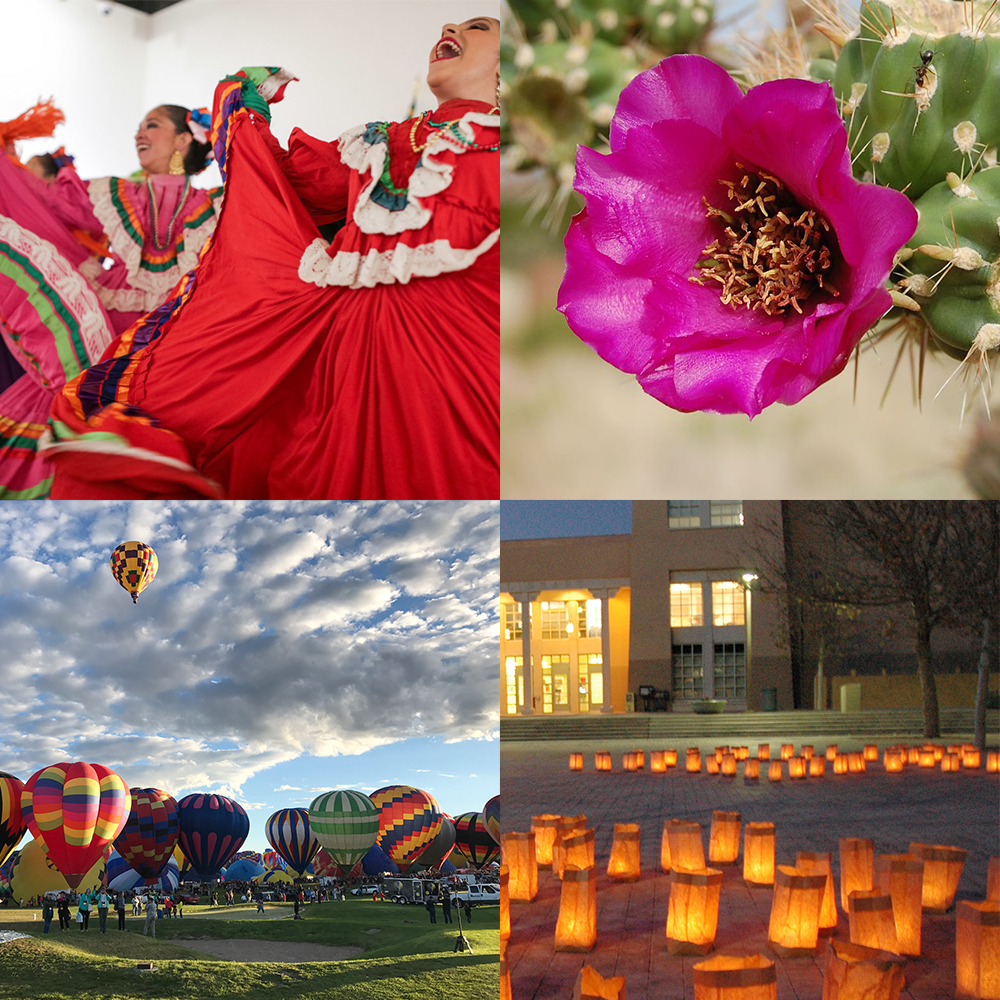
406	957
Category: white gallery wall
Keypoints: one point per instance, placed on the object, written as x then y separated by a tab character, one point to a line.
357	61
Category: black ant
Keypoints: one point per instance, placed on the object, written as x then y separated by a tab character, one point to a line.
925	64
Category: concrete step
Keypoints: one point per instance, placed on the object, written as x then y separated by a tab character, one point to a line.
907	723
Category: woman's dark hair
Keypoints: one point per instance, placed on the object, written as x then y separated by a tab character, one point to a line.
197	153
48	164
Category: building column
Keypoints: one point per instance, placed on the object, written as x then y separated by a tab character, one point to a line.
605	596
528	708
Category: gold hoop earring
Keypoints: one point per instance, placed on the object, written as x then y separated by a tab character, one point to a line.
176	167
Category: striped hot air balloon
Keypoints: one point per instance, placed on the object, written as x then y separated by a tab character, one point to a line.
473	840
289	833
409	819
134	564
491	817
76	810
213	829
12	823
346	823
149	837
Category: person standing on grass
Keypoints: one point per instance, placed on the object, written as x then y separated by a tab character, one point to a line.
150	916
47	913
260	902
103	901
431	909
120	908
84	907
446	904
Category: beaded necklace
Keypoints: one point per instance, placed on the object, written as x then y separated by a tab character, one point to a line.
155	221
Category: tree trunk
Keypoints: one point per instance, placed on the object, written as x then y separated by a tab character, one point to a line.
983	686
925	668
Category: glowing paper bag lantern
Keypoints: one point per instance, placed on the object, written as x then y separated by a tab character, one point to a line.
519	858
693	765
787	750
658	761
942	872
817	767
693	914
951	762
857	867
623	865
821	862
841	763
926	758
504	903
640	758
913	755
686	847
671	757
793	929
977	949
712	765
505	990
807	751
732	977
796	767
758	853
729	765
871	751
774	770
854	972
856	763
901	876
576	928
591	985
993	761
831	752
602	760
630	762
544	827
871	921
971	759
893	761
565	827
993	879
576	761
578	849
763	751
751	769
742	753
724	838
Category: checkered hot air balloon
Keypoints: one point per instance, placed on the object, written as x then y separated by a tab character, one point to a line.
289	833
134	565
12	823
76	810
213	829
149	837
473	840
491	817
346	823
409	819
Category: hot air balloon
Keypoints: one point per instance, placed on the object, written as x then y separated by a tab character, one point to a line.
377	862
134	565
76	810
243	870
434	854
150	834
213	829
491	817
473	840
346	823
255	857
272	859
273	875
289	833
409	819
12	824
121	876
33	874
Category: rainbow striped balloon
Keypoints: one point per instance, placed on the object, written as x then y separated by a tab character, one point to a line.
12	824
149	836
473	840
289	833
346	823
76	810
409	819
491	817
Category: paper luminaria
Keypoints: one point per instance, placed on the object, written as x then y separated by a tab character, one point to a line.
576	927
977	949
942	873
857	866
870	920
693	913
735	977
576	761
544	827
724	838
591	985
504	883
519	857
623	865
854	972
793	929
686	847
758	853
817	863
901	876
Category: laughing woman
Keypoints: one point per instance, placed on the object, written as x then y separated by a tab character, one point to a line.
287	367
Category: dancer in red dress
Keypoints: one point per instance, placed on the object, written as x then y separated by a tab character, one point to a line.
285	367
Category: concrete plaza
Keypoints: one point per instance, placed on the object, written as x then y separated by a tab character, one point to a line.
929	806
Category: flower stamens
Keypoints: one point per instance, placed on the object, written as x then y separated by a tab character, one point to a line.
773	254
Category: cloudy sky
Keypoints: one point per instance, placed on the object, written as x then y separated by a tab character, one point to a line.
282	650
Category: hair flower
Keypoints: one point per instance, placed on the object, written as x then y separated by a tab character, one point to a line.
726	256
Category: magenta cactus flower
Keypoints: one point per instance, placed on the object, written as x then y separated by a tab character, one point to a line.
726	257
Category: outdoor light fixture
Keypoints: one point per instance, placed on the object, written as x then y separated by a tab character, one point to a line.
724	837
977	949
774	770
854	972
901	876
817	767
821	863
623	865
576	928
519	856
693	914
591	985
942	872
751	769
871	751
576	761
686	847
504	903
857	867
793	930
869	916
544	827
693	761
758	853
733	977
602	760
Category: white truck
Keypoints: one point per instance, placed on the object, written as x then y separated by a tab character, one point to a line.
476	893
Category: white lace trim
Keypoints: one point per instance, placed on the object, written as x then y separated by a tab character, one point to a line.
431	176
156	284
66	281
273	83
354	270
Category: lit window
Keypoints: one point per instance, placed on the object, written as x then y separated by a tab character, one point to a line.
686	605
597	688
730	670
728	603
554	621
684	513
589	618
512	624
514	683
687	672
589	670
726	513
